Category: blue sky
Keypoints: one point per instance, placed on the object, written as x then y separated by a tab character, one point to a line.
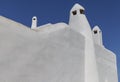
104	13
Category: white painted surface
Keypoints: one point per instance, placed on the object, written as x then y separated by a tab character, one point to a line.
53	53
34	23
97	35
107	66
80	24
31	56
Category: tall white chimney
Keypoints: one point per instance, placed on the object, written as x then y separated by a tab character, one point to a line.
79	23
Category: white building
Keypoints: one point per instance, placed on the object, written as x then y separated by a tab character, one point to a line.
55	52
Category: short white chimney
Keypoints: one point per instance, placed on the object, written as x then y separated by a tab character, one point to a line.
34	23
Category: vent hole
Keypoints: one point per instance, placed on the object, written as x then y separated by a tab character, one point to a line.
95	32
82	11
34	18
74	12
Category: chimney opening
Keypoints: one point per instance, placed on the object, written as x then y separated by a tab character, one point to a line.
74	12
34	18
95	31
82	11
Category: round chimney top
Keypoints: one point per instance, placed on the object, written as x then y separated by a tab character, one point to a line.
96	28
77	7
34	18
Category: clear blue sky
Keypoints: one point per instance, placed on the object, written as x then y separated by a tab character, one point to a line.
104	13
